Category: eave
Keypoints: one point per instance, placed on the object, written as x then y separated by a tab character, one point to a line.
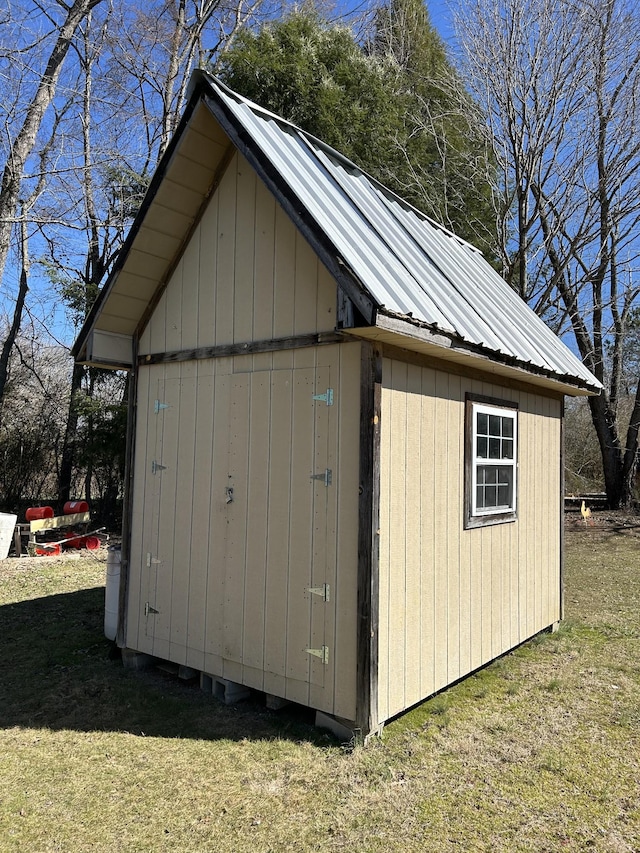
400	334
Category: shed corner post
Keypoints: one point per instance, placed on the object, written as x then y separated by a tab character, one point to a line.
368	539
562	490
127	507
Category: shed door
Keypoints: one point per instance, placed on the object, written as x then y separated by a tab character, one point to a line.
278	493
170	477
279	543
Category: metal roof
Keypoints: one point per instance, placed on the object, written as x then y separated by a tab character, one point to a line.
416	284
411	266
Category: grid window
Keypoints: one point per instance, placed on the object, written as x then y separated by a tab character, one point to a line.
493	469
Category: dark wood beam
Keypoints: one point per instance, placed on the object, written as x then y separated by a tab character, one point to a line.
245	348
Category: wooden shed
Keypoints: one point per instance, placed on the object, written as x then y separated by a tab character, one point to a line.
345	476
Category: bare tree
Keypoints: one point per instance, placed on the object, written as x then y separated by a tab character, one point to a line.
21	145
24	141
154	47
30	434
24	215
441	160
133	70
559	81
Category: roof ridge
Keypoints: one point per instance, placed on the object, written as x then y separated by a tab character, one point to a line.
211	79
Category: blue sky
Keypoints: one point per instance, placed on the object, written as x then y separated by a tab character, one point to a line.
441	18
56	321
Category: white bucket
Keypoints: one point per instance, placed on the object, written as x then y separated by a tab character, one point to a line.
112	593
7	527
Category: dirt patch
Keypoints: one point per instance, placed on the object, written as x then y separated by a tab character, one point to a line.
606	520
75	558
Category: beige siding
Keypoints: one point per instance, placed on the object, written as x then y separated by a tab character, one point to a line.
230	580
246	274
453	599
222	585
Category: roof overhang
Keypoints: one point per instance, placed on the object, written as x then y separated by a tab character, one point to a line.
180	188
213	127
186	177
397	333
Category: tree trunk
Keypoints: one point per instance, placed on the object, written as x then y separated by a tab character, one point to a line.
69	444
612	459
17	317
630	460
25	140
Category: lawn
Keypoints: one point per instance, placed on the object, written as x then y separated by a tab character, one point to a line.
538	752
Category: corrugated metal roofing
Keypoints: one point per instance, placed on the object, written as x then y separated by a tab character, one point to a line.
411	266
394	262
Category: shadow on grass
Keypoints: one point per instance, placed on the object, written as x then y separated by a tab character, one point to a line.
58	671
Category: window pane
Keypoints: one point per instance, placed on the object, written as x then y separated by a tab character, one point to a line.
490	497
493	460
494	487
494	448
504	496
486	474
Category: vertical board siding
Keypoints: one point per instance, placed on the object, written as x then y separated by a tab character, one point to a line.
284	275
229	580
233	532
322	533
430	531
397	520
139	512
245	251
237	534
200	523
453	599
246	274
164	543
265	236
342	617
443	426
225	237
205	271
253	616
455	497
384	675
300	466
218	527
413	547
275	605
183	511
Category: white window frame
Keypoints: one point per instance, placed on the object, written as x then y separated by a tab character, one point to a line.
480	515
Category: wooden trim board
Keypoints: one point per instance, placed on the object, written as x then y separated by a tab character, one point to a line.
245	348
368	539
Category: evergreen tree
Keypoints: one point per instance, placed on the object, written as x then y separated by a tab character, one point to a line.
319	78
404	31
446	169
395	107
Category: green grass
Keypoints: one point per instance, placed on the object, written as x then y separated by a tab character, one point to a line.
538	752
